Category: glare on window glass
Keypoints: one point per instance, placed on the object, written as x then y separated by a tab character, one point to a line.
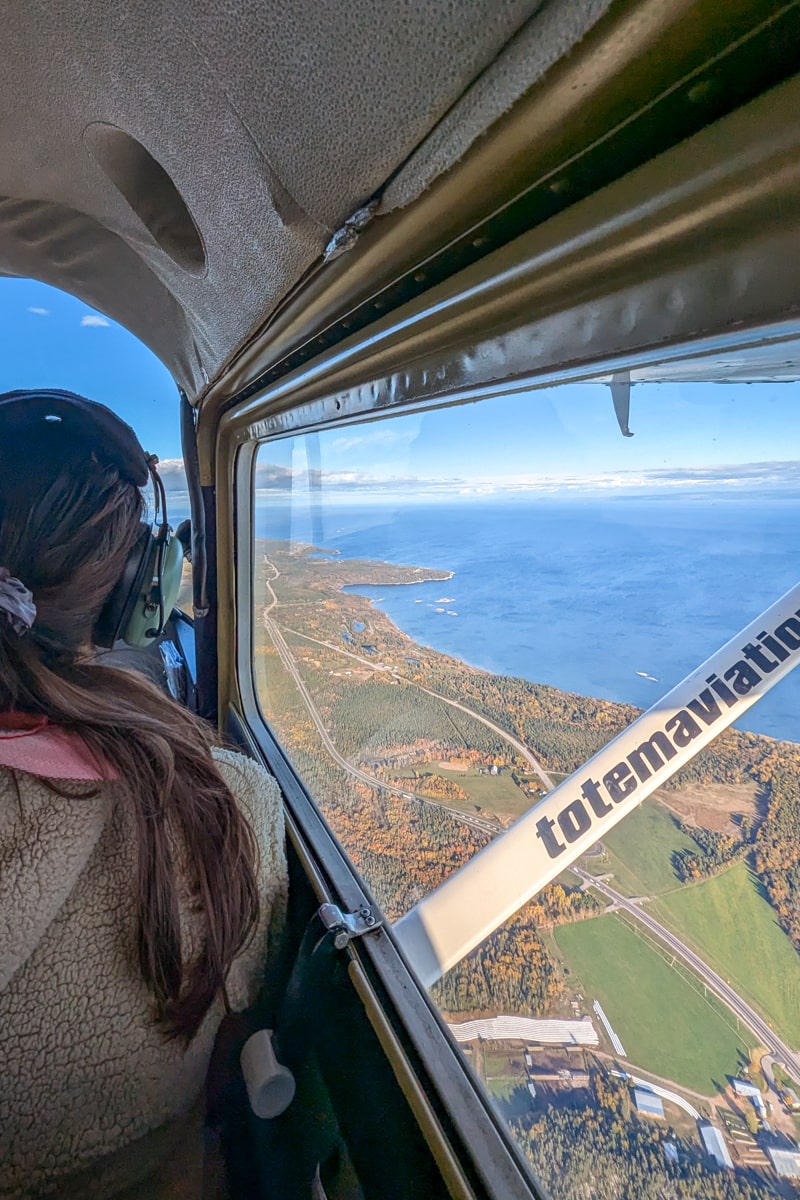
454	610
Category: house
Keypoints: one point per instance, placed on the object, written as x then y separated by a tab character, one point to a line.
743	1087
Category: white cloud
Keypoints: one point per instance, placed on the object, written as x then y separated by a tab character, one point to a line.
377	437
173	474
94	320
738	475
281	482
37	311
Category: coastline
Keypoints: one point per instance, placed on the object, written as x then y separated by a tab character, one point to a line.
439	577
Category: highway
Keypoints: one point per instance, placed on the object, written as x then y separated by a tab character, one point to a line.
779	1050
767	1036
533	762
515	742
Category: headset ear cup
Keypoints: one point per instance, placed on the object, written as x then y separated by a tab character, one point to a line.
139	569
155	593
172	573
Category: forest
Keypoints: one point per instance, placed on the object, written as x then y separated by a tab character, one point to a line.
367	677
404	849
600	1150
714	851
512	971
565	729
777	860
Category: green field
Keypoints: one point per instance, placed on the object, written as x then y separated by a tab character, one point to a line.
733	927
491	793
639	851
505	1079
665	1022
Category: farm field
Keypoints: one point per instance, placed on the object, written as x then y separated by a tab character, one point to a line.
638	852
504	1076
665	1022
728	921
491	793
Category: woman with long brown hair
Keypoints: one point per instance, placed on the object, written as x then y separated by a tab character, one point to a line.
142	868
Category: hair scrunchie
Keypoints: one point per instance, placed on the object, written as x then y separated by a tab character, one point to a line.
16	603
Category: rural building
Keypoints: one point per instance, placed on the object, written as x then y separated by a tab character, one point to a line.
715	1146
743	1087
564	1077
671	1153
785	1162
647	1102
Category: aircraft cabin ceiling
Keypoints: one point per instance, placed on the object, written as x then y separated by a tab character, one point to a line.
180	166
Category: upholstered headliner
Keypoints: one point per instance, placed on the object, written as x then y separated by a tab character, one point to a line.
273	119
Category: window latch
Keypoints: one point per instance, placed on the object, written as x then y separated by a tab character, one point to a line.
345	925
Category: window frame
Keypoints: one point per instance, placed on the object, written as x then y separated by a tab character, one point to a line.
618	277
481	1133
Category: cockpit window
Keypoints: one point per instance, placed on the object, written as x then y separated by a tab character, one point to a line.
454	609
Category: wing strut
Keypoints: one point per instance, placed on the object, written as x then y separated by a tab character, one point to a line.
470	905
621	395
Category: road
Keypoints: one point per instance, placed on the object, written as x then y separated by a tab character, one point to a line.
766	1035
287	659
519	746
780	1051
515	742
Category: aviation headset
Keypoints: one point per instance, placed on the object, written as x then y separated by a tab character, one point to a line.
140	604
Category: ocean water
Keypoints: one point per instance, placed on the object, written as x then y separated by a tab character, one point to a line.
583	593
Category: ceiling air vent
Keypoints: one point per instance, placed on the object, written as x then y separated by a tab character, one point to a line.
150	192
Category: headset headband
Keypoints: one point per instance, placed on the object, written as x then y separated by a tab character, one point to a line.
82	419
140	603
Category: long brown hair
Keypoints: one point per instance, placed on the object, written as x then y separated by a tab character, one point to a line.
67	524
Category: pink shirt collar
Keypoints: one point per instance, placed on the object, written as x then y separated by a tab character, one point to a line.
30	743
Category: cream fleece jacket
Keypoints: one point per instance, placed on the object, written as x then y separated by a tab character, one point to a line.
94	1103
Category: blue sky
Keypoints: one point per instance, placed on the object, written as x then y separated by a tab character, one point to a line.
692	436
552	438
52	340
573	430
